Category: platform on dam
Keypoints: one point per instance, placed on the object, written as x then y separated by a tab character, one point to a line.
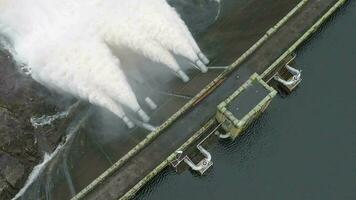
274	47
240	109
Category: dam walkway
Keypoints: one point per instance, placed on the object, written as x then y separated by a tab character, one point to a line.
176	134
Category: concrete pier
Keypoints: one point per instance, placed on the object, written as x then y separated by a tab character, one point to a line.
143	162
240	109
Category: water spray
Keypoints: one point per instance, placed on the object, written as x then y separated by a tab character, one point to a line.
79	62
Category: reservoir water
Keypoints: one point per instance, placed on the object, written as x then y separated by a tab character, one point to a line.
303	147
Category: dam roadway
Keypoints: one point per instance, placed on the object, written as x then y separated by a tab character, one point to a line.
157	148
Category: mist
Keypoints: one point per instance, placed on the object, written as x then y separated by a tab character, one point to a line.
67	47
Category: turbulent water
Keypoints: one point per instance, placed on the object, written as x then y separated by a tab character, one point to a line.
43	171
67	45
37	170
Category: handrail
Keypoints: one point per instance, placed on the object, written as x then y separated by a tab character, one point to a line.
198	167
296	77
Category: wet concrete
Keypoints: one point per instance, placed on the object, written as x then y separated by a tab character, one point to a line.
247	100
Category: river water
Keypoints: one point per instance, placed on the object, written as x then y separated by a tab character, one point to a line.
303	147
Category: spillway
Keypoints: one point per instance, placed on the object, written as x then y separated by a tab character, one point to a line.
107	142
63	53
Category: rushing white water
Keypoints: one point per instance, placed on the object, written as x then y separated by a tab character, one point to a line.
64	45
37	170
161	32
49	119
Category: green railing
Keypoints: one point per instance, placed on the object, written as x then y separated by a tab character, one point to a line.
149	138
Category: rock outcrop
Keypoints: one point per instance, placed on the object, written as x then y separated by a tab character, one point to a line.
21	145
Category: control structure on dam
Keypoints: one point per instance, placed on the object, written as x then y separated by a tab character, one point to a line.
239	110
223	109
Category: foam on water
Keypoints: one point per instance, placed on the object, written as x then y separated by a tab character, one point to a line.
48	157
64	45
37	170
49	119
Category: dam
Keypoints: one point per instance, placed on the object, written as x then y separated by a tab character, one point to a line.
252	52
196	121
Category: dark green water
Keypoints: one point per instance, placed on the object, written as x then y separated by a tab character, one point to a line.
303	147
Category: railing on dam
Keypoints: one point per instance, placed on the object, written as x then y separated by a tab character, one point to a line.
197	98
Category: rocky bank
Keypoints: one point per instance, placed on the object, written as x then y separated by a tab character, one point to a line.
21	145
